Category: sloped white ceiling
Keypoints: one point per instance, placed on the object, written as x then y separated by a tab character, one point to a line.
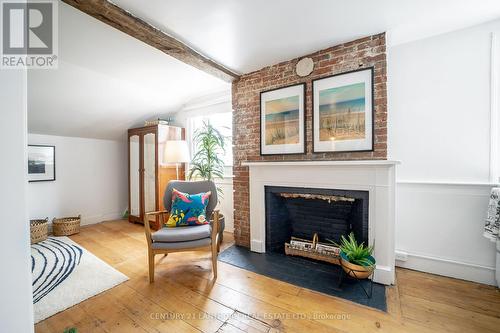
107	82
246	35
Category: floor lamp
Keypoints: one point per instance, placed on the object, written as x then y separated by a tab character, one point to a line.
176	151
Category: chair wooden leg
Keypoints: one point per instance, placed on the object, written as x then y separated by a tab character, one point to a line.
151	262
214	259
218	244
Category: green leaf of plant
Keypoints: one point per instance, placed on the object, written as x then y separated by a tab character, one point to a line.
356	253
207	162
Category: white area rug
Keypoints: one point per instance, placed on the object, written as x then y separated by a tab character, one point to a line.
65	274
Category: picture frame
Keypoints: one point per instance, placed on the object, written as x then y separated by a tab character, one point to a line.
343	112
41	163
282	120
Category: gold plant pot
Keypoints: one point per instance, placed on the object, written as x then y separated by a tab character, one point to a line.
356	271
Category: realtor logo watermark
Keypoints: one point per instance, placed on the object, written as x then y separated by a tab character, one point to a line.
29	34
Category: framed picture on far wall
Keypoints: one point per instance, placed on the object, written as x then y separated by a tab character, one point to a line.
282	123
41	163
343	112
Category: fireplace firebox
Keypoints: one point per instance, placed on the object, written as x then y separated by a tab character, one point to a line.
301	212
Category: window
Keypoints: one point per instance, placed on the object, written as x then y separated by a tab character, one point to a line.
222	122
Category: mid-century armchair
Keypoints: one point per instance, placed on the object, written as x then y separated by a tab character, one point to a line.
182	239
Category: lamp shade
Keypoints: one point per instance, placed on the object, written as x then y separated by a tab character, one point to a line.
176	151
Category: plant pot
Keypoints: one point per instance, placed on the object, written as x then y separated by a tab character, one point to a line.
356	271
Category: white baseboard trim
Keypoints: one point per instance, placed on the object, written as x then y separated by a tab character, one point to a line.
445	183
257	246
87	220
384	275
448	267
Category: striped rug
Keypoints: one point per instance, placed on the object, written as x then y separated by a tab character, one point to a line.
65	274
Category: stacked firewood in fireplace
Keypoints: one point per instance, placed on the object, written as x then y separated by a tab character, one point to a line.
313	249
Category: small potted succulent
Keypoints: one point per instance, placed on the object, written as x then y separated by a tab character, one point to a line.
356	259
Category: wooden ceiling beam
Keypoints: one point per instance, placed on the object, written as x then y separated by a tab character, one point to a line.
124	21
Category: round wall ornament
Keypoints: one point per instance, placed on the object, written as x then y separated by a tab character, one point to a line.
304	67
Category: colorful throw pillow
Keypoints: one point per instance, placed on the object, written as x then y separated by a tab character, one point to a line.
188	209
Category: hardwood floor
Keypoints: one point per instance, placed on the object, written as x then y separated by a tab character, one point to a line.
185	299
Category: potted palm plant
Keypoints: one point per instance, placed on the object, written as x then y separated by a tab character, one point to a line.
207	162
356	259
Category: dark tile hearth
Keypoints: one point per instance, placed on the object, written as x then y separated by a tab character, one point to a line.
304	273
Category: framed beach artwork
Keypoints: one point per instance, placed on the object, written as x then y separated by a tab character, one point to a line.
282	124
343	112
41	163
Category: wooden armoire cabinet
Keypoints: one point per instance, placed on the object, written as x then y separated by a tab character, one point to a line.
148	174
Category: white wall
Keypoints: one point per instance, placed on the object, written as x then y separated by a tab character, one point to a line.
439	127
91	180
226	203
107	81
16	305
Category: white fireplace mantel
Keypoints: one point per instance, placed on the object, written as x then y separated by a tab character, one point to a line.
378	177
319	163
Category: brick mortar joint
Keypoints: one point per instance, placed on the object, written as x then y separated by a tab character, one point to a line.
369	51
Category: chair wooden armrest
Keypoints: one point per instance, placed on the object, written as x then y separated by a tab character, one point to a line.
215	241
215	223
158	212
215	229
147	227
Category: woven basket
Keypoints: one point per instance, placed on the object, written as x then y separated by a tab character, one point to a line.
39	230
66	226
311	253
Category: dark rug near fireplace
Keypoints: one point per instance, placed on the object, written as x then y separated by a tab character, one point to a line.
305	273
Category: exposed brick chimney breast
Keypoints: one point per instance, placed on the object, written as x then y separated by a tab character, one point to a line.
361	53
